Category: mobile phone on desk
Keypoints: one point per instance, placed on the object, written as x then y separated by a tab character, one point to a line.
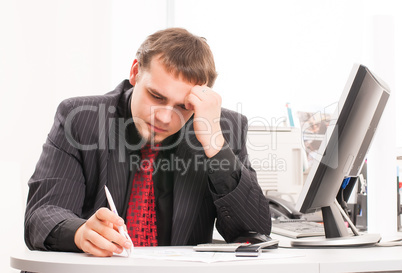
248	251
254	250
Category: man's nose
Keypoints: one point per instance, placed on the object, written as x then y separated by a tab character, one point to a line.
164	114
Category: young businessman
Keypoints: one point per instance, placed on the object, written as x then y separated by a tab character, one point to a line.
165	117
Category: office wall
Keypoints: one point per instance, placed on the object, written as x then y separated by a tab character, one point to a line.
267	53
131	22
51	50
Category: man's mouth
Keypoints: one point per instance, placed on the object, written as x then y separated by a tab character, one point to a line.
156	129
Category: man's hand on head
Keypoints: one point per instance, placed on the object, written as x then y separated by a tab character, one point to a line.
99	235
206	105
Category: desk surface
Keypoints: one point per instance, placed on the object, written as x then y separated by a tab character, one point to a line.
361	259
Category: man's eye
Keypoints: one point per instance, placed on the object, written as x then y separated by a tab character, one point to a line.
156	97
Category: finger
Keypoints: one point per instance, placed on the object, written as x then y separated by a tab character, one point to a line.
192	101
109	232
206	94
187	104
202	92
90	248
102	243
106	215
104	222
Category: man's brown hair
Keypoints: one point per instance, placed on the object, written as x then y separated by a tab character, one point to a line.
182	53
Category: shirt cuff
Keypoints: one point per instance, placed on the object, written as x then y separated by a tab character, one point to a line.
224	171
61	238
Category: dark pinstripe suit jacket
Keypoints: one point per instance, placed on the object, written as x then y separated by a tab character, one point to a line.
83	152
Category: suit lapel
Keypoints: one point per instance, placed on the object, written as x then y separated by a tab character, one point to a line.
118	174
189	186
120	160
115	176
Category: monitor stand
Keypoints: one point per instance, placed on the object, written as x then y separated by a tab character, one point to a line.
336	232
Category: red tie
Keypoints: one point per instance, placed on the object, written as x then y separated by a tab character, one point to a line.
141	217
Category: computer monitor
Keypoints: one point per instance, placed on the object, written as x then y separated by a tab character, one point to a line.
342	155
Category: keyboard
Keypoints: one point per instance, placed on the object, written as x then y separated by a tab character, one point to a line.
297	229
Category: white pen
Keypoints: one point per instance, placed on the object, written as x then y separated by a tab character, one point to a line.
121	229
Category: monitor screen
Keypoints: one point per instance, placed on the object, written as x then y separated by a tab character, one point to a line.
342	154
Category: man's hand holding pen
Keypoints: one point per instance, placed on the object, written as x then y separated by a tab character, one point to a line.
99	235
104	233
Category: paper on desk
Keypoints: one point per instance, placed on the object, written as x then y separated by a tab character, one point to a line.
188	254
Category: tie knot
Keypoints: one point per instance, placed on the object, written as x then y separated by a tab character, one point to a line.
150	151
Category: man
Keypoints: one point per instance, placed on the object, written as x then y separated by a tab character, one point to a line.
200	170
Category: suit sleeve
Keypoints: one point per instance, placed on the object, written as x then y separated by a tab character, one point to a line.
240	203
57	187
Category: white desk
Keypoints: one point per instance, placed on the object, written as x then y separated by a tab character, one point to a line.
309	260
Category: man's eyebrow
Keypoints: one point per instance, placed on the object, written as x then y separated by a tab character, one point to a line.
156	93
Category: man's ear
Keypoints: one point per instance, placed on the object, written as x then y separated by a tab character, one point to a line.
133	72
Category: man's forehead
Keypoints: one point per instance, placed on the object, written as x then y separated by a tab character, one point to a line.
164	92
167	92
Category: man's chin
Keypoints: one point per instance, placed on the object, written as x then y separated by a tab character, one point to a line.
153	138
